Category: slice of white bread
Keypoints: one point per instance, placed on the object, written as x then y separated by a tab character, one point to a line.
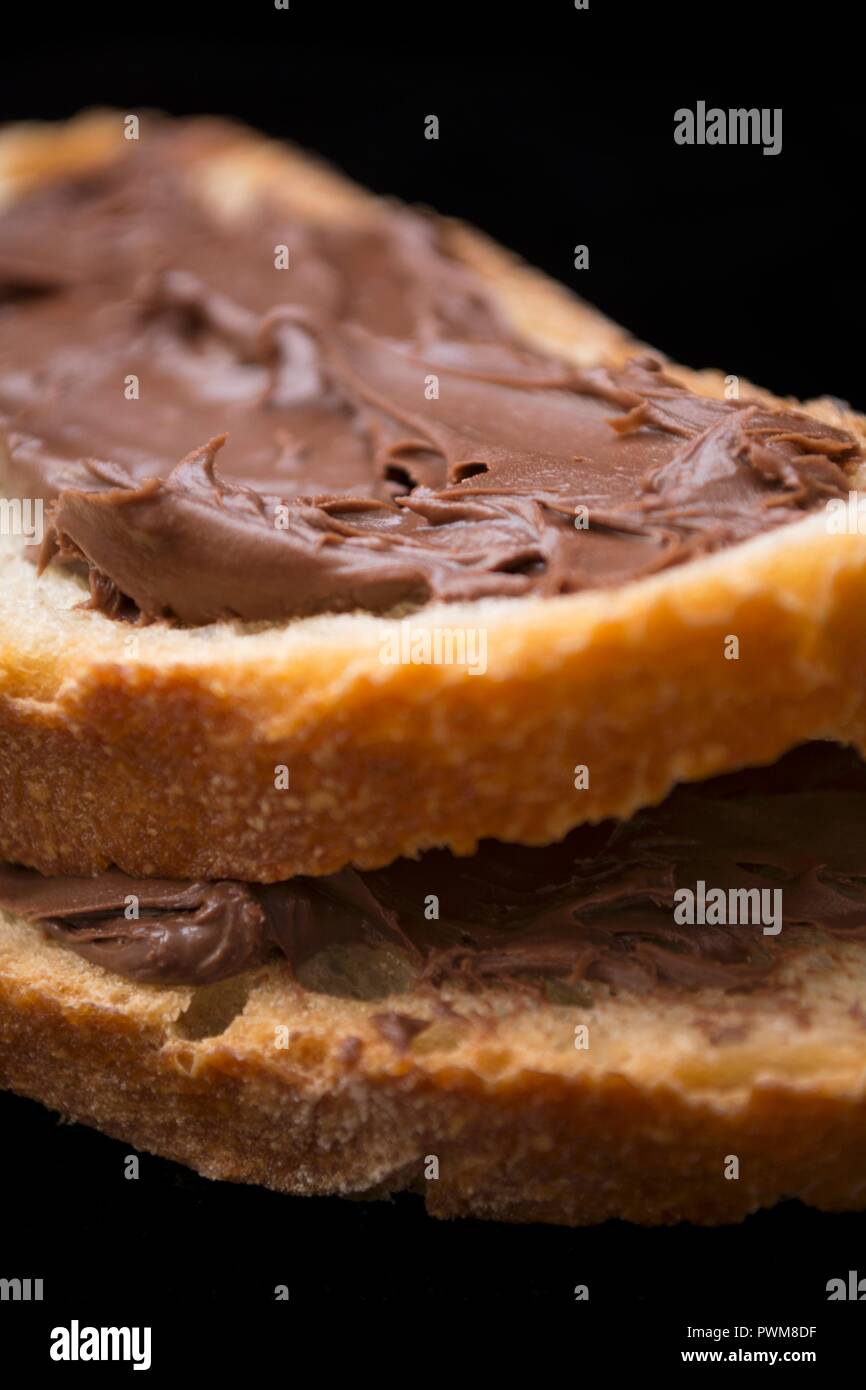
490	1111
160	755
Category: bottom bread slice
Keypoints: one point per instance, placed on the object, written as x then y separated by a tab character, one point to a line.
494	1103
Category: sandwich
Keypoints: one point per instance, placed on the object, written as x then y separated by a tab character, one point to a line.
431	722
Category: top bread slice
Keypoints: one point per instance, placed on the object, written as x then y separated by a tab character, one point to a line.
157	749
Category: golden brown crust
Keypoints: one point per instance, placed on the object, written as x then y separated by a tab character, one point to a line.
641	1125
161	756
166	765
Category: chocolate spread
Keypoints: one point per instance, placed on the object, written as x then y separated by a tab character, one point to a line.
220	434
599	906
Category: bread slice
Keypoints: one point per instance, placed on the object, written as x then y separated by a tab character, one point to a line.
328	1089
353	1079
159	756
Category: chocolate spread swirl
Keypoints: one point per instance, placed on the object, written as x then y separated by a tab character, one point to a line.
599	906
219	436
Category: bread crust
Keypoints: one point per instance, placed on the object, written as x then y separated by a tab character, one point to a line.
161	755
166	764
641	1125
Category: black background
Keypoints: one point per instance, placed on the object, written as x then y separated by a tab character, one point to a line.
721	257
